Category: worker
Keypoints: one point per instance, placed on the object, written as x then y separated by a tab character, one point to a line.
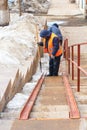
55	29
54	51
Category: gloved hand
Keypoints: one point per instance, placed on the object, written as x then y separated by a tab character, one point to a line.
53	57
40	43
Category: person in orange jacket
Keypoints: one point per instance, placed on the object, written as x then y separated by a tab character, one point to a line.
53	49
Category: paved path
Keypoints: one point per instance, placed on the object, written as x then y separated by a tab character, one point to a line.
63	8
70	19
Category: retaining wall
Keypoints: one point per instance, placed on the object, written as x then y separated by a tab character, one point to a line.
15	85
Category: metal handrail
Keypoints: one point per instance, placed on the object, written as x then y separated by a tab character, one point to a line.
69	56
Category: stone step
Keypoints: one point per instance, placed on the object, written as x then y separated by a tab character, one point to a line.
9	115
6	124
46	100
55	115
50	108
62	124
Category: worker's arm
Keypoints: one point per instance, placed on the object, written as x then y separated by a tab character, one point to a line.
55	46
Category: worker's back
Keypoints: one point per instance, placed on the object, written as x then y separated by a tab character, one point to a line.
57	31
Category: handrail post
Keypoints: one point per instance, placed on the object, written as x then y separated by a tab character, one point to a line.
72	63
78	70
65	48
68	57
66	54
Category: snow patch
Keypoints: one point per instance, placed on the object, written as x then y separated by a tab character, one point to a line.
18	101
6	58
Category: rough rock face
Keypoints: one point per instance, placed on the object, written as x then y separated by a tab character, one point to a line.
32	6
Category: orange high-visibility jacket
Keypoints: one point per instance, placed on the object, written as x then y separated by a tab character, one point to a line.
50	46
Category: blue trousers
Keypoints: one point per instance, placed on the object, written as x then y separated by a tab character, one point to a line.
54	65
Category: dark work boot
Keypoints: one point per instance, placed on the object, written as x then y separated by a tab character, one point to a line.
49	75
